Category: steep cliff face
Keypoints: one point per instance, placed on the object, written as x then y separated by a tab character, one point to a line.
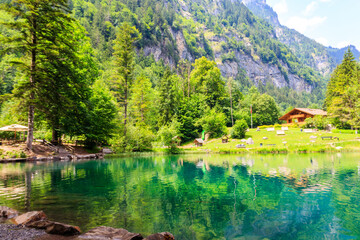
309	51
262	10
323	59
243	62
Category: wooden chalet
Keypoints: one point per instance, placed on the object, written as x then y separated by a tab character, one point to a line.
298	115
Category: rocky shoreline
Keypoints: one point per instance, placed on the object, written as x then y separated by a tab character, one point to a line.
36	225
54	158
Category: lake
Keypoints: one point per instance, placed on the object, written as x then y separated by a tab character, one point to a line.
315	196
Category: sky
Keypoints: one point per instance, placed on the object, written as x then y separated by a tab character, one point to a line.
330	22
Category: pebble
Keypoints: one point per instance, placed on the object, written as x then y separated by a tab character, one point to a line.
18	232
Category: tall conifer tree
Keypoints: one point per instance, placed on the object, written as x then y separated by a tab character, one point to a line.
42	30
124	56
341	100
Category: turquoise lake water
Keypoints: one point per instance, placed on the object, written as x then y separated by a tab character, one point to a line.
197	196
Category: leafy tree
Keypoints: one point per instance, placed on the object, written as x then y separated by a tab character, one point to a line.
206	78
124	56
239	129
100	115
42	31
264	108
214	123
167	134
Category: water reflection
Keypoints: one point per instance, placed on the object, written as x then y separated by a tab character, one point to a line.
197	197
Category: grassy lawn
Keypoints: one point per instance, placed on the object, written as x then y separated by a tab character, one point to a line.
296	141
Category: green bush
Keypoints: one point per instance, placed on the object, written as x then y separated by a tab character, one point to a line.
166	136
214	123
318	122
239	129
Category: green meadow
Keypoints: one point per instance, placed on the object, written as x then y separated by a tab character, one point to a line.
294	141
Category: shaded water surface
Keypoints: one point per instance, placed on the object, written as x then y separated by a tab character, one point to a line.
197	196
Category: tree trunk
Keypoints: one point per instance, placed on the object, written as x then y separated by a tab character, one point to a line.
30	135
125	107
55	137
141	109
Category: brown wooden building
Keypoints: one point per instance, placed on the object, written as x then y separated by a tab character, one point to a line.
298	115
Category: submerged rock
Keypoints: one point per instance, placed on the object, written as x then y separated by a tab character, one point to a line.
161	236
7	212
30	217
102	233
41	224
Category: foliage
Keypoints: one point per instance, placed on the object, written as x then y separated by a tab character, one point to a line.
167	136
139	138
124	56
239	129
342	96
206	79
318	122
213	122
264	109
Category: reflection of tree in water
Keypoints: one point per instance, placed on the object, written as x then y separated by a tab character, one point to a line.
211	202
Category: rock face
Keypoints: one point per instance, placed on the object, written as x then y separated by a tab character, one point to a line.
106	233
28	217
7	212
161	236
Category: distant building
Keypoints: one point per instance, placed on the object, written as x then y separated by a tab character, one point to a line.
298	115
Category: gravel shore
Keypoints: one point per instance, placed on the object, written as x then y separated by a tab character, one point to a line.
18	232
12	232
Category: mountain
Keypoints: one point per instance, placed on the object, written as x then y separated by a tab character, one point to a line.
244	46
313	54
338	54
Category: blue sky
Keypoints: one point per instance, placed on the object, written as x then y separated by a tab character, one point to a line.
329	22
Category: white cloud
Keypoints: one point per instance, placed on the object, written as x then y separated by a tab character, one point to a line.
342	44
310	8
302	24
325	0
323	41
281	7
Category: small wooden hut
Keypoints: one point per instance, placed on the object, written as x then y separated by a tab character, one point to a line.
225	139
199	142
298	115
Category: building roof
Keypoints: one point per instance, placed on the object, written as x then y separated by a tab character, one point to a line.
313	112
199	140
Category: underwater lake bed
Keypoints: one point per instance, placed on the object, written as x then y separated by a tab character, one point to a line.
306	196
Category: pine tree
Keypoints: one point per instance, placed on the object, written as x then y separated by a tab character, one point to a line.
124	56
342	90
41	35
140	98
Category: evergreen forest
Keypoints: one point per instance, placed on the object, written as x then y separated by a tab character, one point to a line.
135	73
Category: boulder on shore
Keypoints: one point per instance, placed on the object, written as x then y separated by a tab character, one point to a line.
161	236
62	229
105	233
30	217
41	224
7	212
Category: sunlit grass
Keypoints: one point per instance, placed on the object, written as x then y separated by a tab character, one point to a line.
294	141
